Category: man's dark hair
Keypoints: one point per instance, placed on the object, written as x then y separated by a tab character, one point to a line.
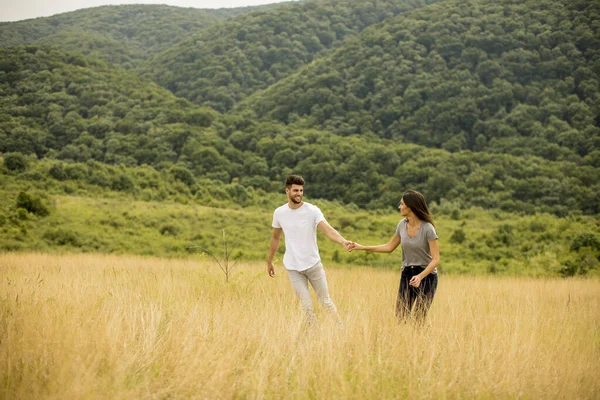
294	180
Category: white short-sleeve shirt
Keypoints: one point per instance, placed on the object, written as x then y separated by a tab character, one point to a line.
300	231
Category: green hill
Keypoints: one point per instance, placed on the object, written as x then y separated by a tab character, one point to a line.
60	105
500	77
233	59
121	35
63	103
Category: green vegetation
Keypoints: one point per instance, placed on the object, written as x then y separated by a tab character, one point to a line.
122	35
85	110
490	109
155	214
228	61
98	208
520	78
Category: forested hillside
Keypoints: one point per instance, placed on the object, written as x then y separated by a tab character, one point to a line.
516	77
122	35
72	107
67	107
233	59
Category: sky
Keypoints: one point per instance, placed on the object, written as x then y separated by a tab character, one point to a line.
16	10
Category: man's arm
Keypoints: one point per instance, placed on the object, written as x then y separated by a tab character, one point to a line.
275	236
332	234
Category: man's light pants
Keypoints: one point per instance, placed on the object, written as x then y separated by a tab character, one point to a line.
316	276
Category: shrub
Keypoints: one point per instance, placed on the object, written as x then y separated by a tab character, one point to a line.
61	237
504	234
183	174
32	204
22	213
585	240
336	256
537	226
76	172
57	171
15	162
347	222
455	215
122	183
580	265
169	230
458	236
100	178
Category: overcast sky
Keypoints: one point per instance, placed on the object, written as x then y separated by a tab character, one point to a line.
16	10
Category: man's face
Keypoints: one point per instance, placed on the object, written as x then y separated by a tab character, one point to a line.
295	193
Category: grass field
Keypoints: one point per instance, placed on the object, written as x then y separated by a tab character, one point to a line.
124	327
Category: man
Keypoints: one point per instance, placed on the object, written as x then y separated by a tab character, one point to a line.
299	221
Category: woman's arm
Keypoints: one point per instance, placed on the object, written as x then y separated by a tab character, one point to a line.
434	248
382	248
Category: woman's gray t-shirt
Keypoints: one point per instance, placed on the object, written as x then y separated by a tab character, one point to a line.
415	250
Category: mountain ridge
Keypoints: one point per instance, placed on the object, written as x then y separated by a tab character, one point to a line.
229	61
386	81
140	30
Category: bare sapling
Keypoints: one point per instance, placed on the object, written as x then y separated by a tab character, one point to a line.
226	264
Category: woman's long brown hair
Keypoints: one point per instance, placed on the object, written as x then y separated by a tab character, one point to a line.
416	202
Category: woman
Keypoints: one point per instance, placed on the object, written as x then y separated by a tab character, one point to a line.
420	256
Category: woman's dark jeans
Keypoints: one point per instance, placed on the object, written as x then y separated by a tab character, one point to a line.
414	302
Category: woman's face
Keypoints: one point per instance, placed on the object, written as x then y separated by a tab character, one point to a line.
403	209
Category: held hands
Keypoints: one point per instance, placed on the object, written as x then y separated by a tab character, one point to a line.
350	245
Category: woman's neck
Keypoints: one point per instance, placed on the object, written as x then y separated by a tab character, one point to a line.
413	220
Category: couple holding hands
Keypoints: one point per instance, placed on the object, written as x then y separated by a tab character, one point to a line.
299	220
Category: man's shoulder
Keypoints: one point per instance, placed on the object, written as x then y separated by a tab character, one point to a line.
312	206
314	209
281	208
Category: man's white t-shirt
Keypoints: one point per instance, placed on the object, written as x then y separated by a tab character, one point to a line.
300	230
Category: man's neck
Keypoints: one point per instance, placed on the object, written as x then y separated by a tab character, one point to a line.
294	206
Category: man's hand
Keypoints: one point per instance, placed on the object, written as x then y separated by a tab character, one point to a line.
349	245
271	269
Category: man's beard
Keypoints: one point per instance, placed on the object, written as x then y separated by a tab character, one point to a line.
293	199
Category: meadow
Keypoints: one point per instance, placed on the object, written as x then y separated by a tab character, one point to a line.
86	326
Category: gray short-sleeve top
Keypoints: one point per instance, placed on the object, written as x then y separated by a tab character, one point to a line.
415	250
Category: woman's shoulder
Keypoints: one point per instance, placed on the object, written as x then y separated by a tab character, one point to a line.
428	226
429	231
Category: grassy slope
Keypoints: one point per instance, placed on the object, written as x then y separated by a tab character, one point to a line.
108	222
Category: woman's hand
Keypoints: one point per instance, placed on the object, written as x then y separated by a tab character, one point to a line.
415	280
355	246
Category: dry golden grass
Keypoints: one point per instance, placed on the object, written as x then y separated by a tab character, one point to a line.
96	326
